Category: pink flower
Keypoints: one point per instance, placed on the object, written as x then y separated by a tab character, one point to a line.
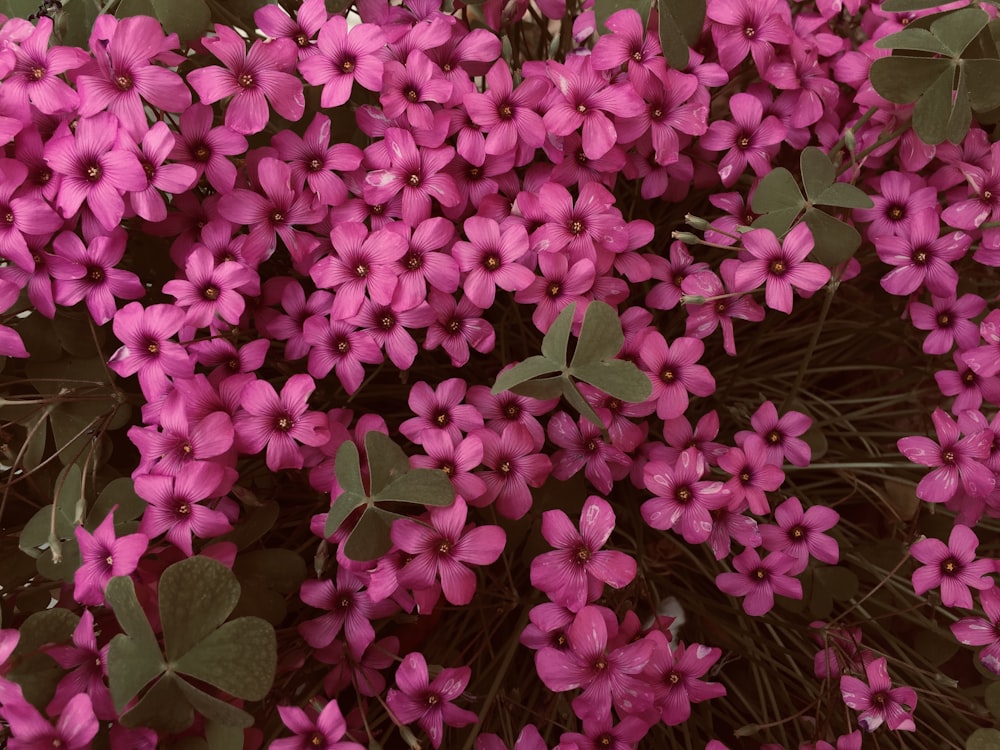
608	673
780	267
601	733
780	435
878	701
559	285
146	348
427	261
752	475
210	292
312	159
93	170
949	321
364	262
253	79
759	580
505	113
584	227
672	371
441	409
676	674
979	631
985	360
742	26
87	664
529	739
89	273
582	446
278	421
416	173
347	607
429	702
390	328
456	459
750	139
174	504
584	98
440	550
205	148
344	56
575	573
683	500
722	304
323	732
953	567
799	534
29	730
22	214
157	144
412	89
276	24
458	327
341	347
104	556
35	77
490	259
953	459
123	75
513	464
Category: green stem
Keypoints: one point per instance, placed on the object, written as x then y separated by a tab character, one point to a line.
831	289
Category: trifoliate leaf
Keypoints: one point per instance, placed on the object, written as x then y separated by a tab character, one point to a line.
239	658
420	486
957	29
818	172
842	195
556	340
522	372
618	378
196	596
371	538
835	241
902	79
600	337
386	460
777	190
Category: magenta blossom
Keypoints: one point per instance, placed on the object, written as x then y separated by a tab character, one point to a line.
780	267
441	548
759	580
575	573
952	459
677	674
29	730
684	500
253	79
979	631
953	567
345	55
751	138
104	556
780	435
878	701
799	534
673	371
514	463
429	702
87	664
324	732
89	273
146	347
22	214
278	421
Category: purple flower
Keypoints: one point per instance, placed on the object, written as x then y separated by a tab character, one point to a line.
174	504
953	459
93	170
441	548
253	79
29	730
35	77
985	360
752	475
683	500
312	159
676	675
559	285
278	421
628	43
902	198
489	259
146	348
457	327
601	733
157	143
390	328
953	567
949	321
21	214
89	273
456	459
750	139
344	56
607	674
799	534
507	114
104	556
347	607
87	664
979	631
429	702
309	18
575	573
759	580
582	97
780	435
583	227
210	292
748	26
442	409
722	303
921	257
672	371
513	463
582	446
780	267
878	701
341	347
324	732
205	148
412	88
122	75
416	173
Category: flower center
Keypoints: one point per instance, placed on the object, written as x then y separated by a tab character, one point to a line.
315	164
505	467
361	270
745	476
553	290
987	195
432	700
797	532
948	456
201	153
896	213
778	267
444	547
153	347
301	39
109	560
36	74
749	32
743	142
668	375
377	209
414	260
245	80
284	423
413	180
95	273
576	226
123	82
343	347
93	173
184	509
969	377
442	419
211	293
187	449
512	411
656	113
760	574
582	555
448	469
684	495
943	319
387	321
637	55
949	566
673	678
506	111
774	437
149	169
492	262
412	95
277	217
454	325
601	664
316	740
347	66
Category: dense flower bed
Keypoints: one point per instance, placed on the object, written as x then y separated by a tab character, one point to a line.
513	374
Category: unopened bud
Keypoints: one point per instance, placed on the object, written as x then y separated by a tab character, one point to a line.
692	299
686	237
697	222
850	142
